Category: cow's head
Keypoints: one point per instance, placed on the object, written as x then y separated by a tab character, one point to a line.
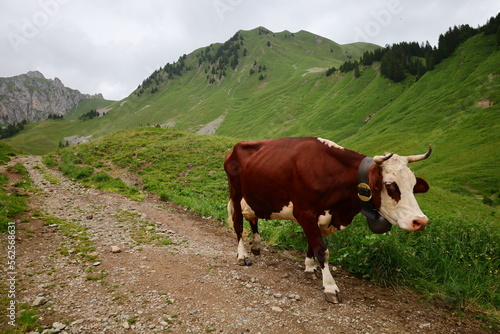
396	186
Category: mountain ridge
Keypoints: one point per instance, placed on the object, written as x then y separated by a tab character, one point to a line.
31	97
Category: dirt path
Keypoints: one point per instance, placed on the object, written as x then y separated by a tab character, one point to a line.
177	272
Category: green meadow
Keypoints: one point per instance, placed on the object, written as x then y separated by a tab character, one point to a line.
455	260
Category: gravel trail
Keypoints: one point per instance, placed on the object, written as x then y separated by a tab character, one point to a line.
157	268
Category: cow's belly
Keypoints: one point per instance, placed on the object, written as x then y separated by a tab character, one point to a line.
286	212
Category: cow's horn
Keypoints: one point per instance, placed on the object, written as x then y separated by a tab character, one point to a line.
379	159
413	158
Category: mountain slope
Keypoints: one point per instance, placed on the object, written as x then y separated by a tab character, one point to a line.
456	108
269	65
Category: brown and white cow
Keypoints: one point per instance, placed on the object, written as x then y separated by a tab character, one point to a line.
321	186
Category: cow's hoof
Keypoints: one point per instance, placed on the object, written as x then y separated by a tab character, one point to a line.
255	251
311	274
333	298
245	262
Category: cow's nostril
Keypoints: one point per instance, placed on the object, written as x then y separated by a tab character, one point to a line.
420	223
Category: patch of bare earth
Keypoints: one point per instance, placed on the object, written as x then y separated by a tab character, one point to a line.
485	103
190	284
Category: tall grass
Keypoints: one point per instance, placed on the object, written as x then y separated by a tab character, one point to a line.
456	262
77	165
180	168
11	204
6	152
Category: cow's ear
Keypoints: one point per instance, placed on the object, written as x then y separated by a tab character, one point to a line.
375	177
421	186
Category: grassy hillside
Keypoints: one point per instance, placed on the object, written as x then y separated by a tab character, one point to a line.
190	101
442	108
89	104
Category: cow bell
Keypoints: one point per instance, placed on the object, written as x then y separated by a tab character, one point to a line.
378	224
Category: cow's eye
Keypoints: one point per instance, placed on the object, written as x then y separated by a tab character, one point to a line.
393	190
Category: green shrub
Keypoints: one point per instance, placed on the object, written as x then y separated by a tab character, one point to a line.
50	161
6	152
101	177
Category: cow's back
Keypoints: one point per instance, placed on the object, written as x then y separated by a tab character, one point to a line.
269	173
269	158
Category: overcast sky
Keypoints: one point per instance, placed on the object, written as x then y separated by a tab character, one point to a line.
111	46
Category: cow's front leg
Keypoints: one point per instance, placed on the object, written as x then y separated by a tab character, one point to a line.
332	291
317	247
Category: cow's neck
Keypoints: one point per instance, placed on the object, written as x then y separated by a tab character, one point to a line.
376	222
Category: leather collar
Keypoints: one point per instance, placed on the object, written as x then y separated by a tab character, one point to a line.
376	222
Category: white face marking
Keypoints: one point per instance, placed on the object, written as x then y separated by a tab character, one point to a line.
400	213
323	222
330	143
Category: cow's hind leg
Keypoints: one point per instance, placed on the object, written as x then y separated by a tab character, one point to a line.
311	271
256	241
235	217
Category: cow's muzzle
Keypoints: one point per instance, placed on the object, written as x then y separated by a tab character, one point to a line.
420	223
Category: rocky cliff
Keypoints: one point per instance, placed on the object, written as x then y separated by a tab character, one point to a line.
34	98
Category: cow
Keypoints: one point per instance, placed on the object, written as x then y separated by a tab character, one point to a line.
321	186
